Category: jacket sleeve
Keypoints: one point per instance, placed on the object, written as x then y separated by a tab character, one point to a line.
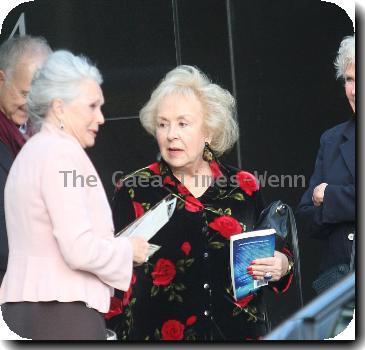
123	215
68	207
309	216
338	203
4	250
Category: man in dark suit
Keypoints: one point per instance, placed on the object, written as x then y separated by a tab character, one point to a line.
20	57
327	208
6	160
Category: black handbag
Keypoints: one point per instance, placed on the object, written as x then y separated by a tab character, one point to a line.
280	217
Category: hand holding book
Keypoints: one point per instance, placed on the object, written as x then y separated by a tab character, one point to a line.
245	248
255	262
140	248
277	266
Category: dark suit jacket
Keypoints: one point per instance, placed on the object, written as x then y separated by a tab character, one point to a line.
6	159
334	220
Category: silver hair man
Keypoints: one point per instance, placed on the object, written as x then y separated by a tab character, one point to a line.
20	57
345	67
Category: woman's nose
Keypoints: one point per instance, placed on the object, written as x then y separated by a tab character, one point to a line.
171	133
100	118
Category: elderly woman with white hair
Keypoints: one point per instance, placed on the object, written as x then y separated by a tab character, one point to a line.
184	291
64	260
328	206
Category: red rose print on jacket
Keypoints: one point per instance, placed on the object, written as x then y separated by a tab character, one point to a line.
226	226
186	248
182	190
115	308
214	167
155	168
128	293
138	209
191	320
247	182
168	181
192	204
172	330
163	273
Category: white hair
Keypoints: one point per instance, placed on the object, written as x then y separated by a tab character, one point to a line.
218	104
18	47
59	77
345	56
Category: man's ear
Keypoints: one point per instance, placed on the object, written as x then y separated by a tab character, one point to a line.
2	77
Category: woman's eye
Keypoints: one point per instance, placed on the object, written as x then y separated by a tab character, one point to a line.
161	125
182	124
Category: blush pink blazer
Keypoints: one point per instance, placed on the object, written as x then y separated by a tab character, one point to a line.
61	237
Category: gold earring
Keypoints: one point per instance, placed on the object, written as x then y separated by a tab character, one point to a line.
207	153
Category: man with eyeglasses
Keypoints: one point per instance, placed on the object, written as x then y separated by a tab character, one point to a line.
20	57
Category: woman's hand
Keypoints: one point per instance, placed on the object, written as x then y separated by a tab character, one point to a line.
277	266
318	194
140	249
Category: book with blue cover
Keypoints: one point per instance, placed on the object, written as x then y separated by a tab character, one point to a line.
245	247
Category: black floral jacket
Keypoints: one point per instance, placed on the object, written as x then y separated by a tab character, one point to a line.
184	292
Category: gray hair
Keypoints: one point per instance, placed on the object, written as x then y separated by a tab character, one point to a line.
218	104
18	47
59	77
345	56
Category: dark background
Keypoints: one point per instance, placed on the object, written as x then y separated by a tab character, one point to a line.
276	57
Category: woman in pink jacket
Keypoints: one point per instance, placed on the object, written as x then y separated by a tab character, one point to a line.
63	258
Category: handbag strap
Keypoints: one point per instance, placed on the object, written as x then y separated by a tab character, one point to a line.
294	236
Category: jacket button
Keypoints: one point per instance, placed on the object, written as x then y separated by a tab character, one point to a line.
350	236
205	255
206	285
206	313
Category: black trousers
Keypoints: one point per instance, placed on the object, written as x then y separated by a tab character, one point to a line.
54	320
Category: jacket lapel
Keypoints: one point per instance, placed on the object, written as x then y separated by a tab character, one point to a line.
6	158
348	147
